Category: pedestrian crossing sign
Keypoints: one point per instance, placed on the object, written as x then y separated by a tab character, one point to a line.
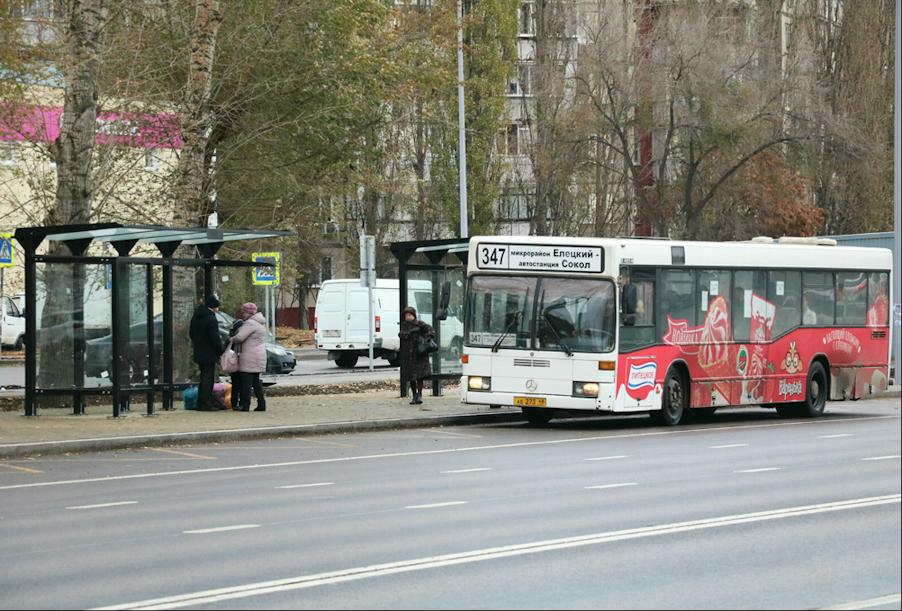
267	275
7	253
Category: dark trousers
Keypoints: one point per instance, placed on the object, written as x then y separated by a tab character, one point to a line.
251	381
236	388
205	388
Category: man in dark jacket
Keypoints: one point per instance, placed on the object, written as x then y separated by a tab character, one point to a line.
207	347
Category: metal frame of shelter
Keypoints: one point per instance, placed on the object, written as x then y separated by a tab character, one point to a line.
123	239
435	252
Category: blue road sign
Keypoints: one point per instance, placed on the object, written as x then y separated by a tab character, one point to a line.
267	275
7	253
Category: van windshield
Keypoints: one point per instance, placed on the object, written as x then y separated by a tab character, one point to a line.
560	314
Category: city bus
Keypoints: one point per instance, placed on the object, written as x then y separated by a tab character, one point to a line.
673	328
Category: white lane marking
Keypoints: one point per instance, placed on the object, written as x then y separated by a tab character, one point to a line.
434	505
729	445
211	597
866	604
890	457
454	433
604	486
609	457
522	444
102	505
837	436
475	470
762	470
316	485
204	531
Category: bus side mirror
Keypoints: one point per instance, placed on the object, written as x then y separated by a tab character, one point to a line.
444	300
628	298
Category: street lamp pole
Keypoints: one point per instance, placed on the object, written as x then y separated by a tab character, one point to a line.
461	127
897	210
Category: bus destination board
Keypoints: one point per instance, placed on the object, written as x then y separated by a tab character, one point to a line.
535	258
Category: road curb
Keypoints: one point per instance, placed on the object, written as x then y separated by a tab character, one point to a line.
67	446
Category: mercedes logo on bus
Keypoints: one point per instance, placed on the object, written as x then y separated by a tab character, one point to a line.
531	385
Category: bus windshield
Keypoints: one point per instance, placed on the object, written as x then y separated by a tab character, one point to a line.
534	313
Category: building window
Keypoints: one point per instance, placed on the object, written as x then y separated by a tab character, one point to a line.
514	207
325	271
152	160
524	78
526	19
7	152
513	139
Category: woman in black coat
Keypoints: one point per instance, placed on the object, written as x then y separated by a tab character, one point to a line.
414	366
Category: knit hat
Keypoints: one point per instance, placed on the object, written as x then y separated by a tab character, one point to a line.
250	308
411	310
211	301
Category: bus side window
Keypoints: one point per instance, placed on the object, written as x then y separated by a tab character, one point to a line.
637	311
784	290
818	298
747	286
677	299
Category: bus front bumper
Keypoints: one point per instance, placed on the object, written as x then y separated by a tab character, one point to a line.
476	397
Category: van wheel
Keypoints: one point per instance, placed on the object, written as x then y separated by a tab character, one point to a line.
674	401
537	416
20	343
394	361
346	361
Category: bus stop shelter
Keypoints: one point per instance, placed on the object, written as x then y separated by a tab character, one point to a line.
432	277
116	324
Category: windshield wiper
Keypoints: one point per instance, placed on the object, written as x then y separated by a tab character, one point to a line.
514	322
560	340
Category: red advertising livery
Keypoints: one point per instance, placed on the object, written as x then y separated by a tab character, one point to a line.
674	327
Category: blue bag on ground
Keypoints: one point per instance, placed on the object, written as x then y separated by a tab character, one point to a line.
190	397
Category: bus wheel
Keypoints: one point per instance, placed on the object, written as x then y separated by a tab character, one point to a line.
346	360
537	416
815	391
673	403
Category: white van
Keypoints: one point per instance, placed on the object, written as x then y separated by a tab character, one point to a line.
342	324
342	327
12	324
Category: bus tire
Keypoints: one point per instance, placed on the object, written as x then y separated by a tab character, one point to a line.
537	416
346	360
816	391
674	400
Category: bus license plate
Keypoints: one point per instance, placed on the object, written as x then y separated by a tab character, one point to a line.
531	401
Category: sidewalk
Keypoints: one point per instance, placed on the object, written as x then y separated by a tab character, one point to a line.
56	431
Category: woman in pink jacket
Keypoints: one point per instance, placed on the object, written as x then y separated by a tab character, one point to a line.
251	339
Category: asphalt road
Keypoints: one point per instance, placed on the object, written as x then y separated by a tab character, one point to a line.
745	511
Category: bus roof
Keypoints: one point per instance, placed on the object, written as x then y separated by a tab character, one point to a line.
784	253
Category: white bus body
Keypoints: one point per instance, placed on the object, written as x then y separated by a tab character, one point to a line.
521	371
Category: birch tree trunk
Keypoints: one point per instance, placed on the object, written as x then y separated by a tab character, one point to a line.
73	149
193	187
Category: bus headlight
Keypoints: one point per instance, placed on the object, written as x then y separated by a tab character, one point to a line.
479	383
585	389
